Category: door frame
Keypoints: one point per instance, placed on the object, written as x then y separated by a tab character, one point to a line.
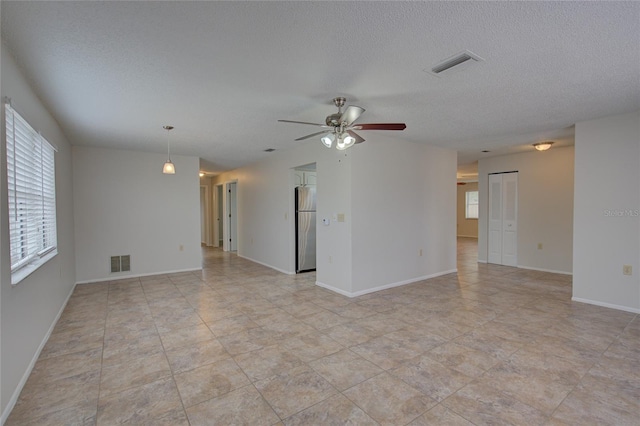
206	220
290	214
502	219
227	210
218	198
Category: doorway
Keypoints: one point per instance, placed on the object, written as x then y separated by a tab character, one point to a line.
232	208
219	223
304	214
204	216
503	219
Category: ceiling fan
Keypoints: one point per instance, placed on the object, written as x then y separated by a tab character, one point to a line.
339	127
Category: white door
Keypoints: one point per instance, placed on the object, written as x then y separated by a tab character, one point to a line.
233	217
503	219
510	219
495	219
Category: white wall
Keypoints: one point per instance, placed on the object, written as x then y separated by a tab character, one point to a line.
363	252
29	310
334	190
125	205
266	211
403	201
465	227
545	206
606	221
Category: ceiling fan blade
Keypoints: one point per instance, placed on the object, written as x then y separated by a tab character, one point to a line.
357	137
312	135
380	126
351	114
304	122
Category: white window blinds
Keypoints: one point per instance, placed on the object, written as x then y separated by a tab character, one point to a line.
31	192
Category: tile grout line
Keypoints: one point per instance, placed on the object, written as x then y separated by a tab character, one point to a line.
164	352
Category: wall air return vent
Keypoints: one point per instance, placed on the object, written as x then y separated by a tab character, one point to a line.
125	263
121	263
459	62
115	264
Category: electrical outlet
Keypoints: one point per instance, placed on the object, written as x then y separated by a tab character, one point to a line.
626	269
330	259
539	246
420	252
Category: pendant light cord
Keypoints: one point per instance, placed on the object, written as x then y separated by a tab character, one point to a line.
168	129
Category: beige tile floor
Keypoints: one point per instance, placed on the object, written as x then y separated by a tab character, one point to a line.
241	344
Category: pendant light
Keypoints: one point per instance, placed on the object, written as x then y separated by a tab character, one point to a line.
168	168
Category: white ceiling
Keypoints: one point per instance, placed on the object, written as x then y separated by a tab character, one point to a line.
222	73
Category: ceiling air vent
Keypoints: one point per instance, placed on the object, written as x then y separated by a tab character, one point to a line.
459	62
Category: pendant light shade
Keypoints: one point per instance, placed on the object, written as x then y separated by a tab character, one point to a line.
168	168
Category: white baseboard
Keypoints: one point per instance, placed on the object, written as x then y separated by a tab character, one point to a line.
34	359
545	270
607	305
385	286
267	265
534	269
334	289
124	277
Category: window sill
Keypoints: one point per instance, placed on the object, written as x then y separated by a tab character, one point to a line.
27	270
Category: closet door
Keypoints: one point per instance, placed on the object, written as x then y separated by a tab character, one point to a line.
510	219
495	219
503	219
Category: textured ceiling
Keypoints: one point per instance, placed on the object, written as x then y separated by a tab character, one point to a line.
222	73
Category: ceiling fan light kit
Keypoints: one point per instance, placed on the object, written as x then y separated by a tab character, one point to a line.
345	141
340	126
328	140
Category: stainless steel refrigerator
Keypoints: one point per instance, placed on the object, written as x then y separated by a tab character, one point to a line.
305	228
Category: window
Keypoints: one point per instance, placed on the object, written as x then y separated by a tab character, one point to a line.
31	196
471	205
